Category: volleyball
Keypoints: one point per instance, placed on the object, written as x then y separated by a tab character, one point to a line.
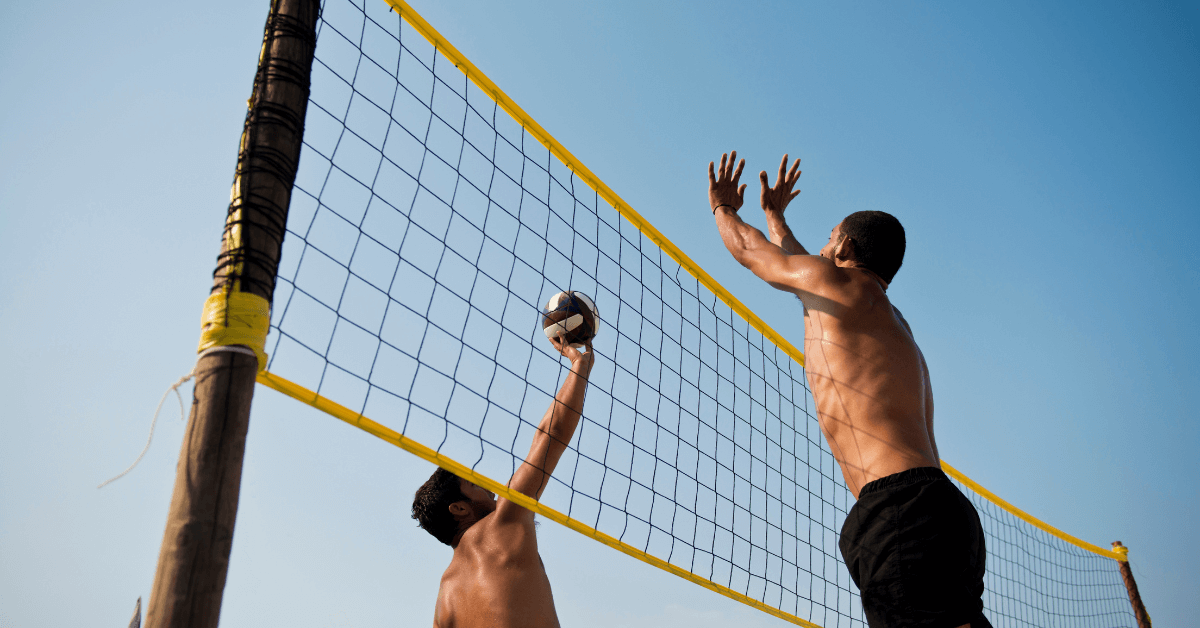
572	316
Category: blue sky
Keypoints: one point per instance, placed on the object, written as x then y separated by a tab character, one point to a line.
1042	158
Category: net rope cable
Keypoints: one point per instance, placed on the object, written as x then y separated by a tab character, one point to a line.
427	226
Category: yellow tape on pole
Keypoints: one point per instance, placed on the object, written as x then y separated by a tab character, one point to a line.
339	411
236	318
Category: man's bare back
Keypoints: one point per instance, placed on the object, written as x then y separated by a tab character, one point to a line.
868	377
496	578
869	381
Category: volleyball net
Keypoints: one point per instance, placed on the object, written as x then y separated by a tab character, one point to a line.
431	218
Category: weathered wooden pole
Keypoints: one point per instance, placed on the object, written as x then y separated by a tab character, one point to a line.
194	559
1135	598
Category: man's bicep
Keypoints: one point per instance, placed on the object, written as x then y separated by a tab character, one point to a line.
511	512
799	274
530	479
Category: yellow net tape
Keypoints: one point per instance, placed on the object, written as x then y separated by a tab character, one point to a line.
419	396
339	411
483	82
1030	519
558	150
236	318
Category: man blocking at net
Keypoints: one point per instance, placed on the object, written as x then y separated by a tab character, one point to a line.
496	578
913	542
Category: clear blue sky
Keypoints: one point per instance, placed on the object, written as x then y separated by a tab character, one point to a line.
1043	159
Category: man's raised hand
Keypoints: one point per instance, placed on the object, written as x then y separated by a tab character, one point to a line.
777	198
723	185
581	362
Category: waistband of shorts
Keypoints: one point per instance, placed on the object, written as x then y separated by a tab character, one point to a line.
909	476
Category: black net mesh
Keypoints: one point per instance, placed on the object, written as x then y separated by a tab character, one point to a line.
1036	579
427	228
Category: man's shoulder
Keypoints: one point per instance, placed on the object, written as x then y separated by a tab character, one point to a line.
491	531
851	295
496	541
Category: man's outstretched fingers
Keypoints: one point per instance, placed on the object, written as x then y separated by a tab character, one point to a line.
723	188
766	188
737	174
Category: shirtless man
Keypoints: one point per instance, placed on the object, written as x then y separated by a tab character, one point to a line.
912	542
496	578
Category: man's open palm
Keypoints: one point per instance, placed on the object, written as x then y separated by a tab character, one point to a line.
723	184
777	198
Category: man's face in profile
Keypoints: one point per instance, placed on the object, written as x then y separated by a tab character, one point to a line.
482	501
835	237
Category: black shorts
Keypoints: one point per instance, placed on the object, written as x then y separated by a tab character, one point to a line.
915	549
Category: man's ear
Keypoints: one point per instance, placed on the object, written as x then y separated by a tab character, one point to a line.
459	509
845	250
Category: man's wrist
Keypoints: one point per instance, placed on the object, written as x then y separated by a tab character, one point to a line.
581	368
724	205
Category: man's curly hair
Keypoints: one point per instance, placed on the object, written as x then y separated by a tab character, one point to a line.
431	505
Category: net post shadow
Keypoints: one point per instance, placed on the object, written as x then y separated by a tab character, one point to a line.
193	562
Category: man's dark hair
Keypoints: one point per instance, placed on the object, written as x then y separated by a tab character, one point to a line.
431	505
878	241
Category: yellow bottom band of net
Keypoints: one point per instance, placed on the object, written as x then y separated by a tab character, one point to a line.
339	411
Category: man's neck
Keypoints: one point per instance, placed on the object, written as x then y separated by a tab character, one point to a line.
463	526
874	275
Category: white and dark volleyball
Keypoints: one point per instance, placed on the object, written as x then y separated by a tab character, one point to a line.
572	316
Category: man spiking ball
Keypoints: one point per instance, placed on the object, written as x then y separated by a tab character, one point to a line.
496	578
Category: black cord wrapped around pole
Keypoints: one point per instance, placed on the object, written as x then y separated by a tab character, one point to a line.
194	560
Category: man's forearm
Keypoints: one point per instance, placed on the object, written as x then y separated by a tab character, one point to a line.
740	238
563	418
730	226
781	234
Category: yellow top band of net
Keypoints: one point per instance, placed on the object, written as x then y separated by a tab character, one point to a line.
1030	519
236	318
558	150
506	103
374	428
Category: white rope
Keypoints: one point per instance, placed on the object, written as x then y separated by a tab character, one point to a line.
175	388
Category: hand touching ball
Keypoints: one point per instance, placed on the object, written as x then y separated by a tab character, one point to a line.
571	316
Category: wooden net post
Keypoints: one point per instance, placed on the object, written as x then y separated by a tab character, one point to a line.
194	560
1135	598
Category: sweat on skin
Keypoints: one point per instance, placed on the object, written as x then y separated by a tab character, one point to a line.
871	386
496	578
